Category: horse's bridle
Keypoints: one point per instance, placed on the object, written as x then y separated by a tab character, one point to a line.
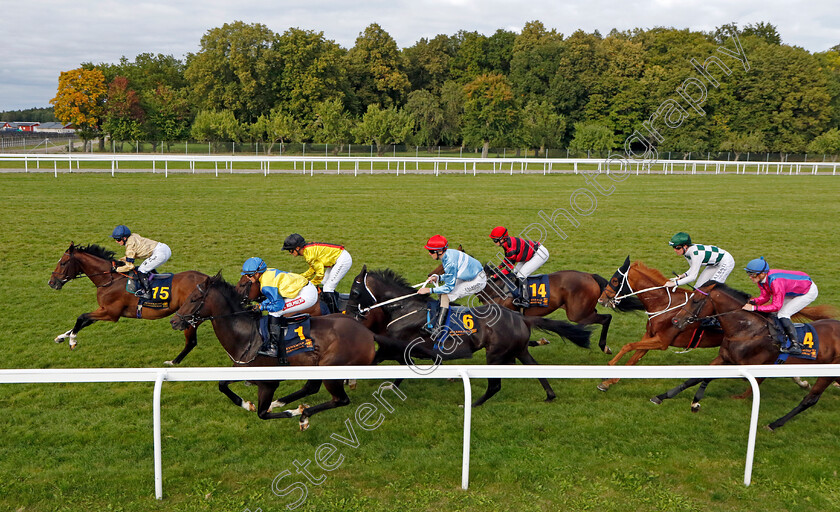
193	319
61	278
625	282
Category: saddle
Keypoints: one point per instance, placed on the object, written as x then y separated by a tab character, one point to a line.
161	288
805	333
296	338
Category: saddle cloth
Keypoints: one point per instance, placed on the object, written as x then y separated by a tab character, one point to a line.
296	339
807	336
161	287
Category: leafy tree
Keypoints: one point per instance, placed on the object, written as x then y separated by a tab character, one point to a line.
312	71
592	136
237	69
542	127
579	67
490	111
764	31
427	115
375	69
500	51
279	126
535	61
829	64
470	56
216	127
428	61
167	115
827	143
452	99
738	143
124	116
39	115
80	100
382	127
331	125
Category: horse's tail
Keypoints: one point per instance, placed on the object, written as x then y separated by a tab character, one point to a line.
574	333
821	312
624	305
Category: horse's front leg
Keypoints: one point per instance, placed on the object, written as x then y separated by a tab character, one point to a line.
265	395
309	388
191	340
224	387
671	393
82	321
641	347
339	399
809	400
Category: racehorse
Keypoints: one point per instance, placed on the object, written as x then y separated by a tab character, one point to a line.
97	263
338	341
749	339
574	291
661	304
252	293
501	332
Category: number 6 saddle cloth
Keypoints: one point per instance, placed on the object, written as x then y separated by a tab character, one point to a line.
460	321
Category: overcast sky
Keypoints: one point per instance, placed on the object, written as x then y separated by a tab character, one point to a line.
41	38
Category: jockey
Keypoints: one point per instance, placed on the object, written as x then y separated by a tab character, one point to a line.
286	293
462	275
788	292
328	264
154	253
522	258
718	262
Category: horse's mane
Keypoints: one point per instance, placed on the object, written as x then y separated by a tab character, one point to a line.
649	271
227	290
732	292
96	250
390	276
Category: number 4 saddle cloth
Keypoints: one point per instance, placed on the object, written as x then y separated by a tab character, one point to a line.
297	338
807	337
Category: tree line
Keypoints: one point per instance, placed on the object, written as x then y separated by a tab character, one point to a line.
536	89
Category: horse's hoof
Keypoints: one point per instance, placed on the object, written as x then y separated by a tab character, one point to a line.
656	400
550	398
803	384
695	407
59	338
302	407
168	363
73	344
769	428
352	384
603	387
276	403
608	351
304	424
543	341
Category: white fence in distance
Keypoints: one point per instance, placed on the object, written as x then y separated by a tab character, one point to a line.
464	372
108	162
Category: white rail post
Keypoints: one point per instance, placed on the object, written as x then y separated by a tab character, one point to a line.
161	376
753	425
465	465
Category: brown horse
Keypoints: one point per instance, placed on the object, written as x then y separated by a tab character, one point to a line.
749	339
661	304
338	340
97	263
574	291
401	313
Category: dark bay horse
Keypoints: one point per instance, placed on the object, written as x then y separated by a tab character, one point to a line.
661	304
97	263
339	340
749	339
501	332
575	292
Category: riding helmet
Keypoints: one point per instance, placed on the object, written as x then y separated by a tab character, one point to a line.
679	239
293	241
437	243
121	232
253	266
499	232
757	266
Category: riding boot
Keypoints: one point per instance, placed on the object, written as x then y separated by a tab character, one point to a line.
141	280
512	284
440	330
795	347
275	338
337	302
328	298
524	300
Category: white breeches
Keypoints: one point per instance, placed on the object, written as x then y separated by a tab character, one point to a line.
464	288
794	305
524	269
307	298
717	272
160	255
334	274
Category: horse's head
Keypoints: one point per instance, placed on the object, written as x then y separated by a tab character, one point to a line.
360	296
247	290
698	306
616	287
67	268
194	309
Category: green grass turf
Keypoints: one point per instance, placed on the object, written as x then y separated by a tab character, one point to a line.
89	447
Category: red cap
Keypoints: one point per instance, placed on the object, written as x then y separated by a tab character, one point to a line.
437	243
498	232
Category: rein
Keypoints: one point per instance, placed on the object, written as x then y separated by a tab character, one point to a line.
626	282
363	311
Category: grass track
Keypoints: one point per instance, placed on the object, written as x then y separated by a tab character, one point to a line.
89	447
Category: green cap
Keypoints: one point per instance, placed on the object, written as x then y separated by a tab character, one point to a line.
680	238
